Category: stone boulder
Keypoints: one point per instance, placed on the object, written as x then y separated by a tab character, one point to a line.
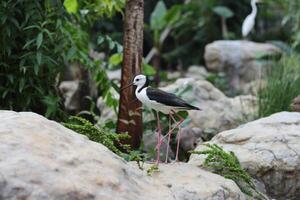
238	59
295	105
269	149
69	91
197	72
188	182
219	112
41	159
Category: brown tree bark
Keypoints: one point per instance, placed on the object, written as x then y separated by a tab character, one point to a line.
130	112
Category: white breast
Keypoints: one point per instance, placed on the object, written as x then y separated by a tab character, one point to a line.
142	96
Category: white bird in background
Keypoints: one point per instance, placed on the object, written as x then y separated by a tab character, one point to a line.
249	22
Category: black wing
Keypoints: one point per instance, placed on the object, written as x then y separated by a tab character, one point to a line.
168	98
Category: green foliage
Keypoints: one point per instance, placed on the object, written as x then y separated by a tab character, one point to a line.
148	70
228	166
109	139
223	11
43	37
138	156
71	6
291	19
31	56
96	134
153	168
157	19
282	86
96	9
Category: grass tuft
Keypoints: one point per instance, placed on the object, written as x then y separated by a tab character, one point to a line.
282	86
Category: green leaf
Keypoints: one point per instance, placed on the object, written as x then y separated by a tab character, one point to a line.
4	93
100	39
36	69
21	84
223	11
39	40
115	59
111	43
119	48
148	70
71	53
173	15
39	57
157	21
71	6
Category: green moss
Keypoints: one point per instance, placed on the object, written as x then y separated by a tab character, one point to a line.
96	134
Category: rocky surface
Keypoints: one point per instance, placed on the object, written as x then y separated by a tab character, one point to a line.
217	109
238	59
189	138
41	159
188	182
197	72
269	149
69	91
295	105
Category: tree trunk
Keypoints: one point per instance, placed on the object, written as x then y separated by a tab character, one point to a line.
130	112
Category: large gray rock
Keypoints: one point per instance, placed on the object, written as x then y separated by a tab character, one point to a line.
238	59
197	72
269	149
41	159
69	91
188	182
295	105
219	112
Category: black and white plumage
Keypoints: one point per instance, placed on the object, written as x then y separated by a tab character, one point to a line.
157	99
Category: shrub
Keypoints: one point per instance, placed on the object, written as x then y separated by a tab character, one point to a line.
30	55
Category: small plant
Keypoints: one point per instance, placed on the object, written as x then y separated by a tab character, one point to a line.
96	134
153	168
137	156
107	138
227	165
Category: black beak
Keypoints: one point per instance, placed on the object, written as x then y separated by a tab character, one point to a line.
127	86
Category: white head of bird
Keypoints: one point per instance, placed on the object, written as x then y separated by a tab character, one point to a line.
139	80
249	21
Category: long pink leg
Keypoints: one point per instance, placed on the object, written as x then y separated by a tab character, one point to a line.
169	138
171	131
158	138
179	132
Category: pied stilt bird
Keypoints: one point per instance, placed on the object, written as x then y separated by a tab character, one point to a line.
249	21
164	102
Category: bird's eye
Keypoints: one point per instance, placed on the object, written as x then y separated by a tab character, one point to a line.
137	79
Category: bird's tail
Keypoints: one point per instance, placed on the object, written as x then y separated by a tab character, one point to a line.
190	107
